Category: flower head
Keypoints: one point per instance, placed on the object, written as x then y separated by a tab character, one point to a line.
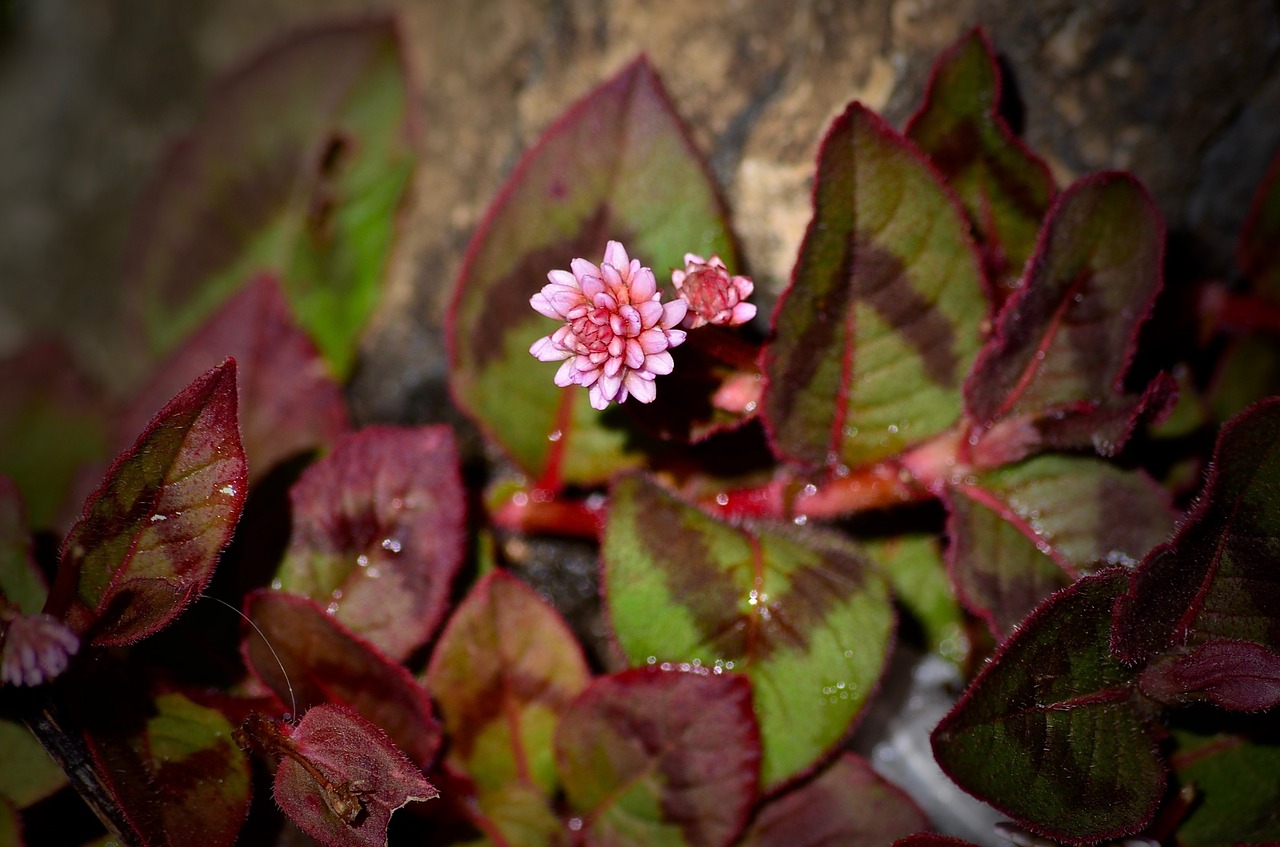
36	649
616	332
713	296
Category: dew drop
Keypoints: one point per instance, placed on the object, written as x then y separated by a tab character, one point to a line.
800	520
810	490
842	470
276	584
373	572
332	608
722	499
848	654
520	499
555	435
337	594
362	560
391	544
397	503
893	428
575	824
653	660
1039	355
229	490
157	518
749	406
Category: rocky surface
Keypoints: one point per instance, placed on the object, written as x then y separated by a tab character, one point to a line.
1183	93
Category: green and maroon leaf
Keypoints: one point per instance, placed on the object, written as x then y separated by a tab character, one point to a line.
846	804
660	757
51	425
503	672
27	774
150	536
874	337
298	166
1063	342
1259	252
1004	186
316	660
1217	579
378	531
1048	732
1021	532
353	779
917	573
289	403
21	582
1236	675
170	764
1237	788
802	614
619	165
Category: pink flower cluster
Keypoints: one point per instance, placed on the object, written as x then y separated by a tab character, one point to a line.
36	649
616	332
713	296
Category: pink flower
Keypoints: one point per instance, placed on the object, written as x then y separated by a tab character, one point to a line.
616	333
713	296
36	648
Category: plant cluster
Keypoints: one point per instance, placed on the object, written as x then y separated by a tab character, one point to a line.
960	432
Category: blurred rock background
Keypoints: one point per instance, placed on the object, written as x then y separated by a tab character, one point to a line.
1185	93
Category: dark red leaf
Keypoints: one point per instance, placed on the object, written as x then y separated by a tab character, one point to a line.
340	777
1238	675
378	533
848	804
316	660
928	839
289	403
1063	342
1217	579
1048	732
650	756
151	535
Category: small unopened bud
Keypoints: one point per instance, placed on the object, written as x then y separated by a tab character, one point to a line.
714	297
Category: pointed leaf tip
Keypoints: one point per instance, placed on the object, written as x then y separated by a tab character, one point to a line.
150	536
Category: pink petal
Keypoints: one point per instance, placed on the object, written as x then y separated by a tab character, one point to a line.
642	389
612	279
650	312
562	299
643	285
631	317
612	366
716	262
675	337
635	353
742	313
673	313
582	269
693	259
659	363
677	278
563	278
743	285
652	341
609	385
543	306
615	254
598	400
546	350
564	376
588	378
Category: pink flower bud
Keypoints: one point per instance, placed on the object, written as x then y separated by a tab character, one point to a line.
713	296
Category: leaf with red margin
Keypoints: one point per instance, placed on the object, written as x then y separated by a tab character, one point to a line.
170	764
1063	342
298	165
289	403
51	425
846	804
874	337
1237	788
378	530
1022	532
1004	186
1049	733
504	670
325	663
619	165
1259	250
1237	675
150	536
1217	578
659	757
803	614
353	778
